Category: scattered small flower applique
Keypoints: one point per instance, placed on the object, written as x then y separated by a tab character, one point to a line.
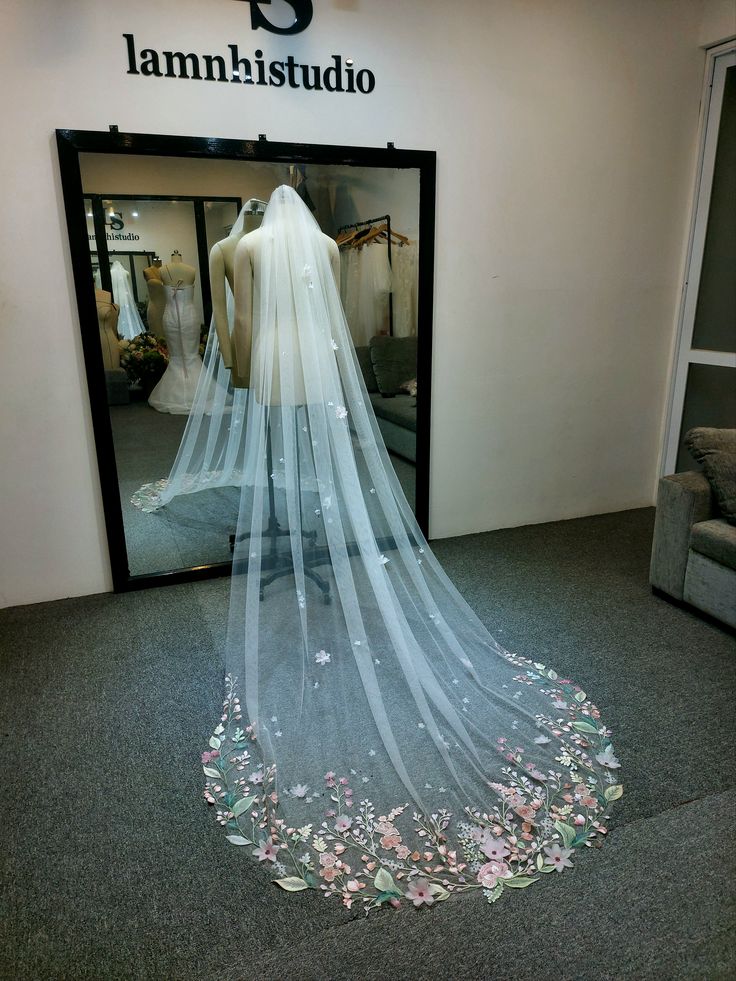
341	412
534	824
322	657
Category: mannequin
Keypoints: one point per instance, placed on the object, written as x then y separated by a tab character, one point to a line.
246	269
222	258
107	318
177	272
156	298
176	390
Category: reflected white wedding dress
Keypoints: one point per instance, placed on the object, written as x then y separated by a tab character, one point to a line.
375	742
177	386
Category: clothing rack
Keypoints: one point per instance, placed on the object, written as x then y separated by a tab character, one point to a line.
376	221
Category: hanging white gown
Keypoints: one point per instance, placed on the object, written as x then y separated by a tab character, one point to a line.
130	324
366	287
405	287
177	387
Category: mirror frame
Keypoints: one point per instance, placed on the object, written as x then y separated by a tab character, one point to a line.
70	143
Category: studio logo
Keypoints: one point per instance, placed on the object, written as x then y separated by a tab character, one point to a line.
303	13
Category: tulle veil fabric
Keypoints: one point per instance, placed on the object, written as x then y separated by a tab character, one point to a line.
211	452
129	324
376	743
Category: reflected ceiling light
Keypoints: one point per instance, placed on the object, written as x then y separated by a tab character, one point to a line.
111	212
134	214
89	214
348	61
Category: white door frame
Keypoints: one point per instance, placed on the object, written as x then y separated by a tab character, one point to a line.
718	59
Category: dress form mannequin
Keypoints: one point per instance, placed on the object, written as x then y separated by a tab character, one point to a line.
107	318
222	260
156	298
177	387
246	269
177	272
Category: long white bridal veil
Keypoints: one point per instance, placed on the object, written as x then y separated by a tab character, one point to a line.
211	452
375	742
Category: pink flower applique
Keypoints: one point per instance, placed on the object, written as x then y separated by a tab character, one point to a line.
418	892
493	848
343	824
266	852
327	860
559	857
489	873
403	852
210	755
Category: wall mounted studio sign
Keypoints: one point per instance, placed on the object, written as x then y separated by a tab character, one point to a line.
340	75
303	13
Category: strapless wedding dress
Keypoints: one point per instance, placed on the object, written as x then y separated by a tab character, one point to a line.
176	389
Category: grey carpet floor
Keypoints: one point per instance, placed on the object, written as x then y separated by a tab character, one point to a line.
112	866
196	530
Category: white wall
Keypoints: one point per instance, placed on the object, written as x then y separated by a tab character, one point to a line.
565	131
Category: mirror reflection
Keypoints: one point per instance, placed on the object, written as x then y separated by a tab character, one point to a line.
160	233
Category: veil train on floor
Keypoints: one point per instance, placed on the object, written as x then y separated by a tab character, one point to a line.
375	743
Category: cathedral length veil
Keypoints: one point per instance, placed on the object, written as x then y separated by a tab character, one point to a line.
211	452
376	743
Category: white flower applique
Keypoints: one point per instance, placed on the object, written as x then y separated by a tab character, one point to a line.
307	277
322	657
334	345
383	560
341	412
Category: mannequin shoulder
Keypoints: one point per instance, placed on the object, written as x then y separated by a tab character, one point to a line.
248	245
331	246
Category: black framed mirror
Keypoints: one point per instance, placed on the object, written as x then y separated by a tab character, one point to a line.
140	205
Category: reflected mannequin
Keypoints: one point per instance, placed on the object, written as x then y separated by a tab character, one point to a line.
107	318
177	272
248	258
156	298
177	387
222	274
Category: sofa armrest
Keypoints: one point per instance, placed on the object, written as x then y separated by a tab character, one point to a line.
683	500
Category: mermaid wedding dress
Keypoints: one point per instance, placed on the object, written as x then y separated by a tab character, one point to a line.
177	387
375	743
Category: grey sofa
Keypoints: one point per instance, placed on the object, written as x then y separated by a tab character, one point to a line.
386	364
694	548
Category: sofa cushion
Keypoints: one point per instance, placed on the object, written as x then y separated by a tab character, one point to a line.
402	410
715	539
394	361
366	366
715	450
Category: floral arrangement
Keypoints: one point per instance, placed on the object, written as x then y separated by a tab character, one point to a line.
144	359
535	827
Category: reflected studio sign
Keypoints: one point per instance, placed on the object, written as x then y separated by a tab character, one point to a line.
233	67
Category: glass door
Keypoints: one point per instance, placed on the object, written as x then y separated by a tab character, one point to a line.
704	383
